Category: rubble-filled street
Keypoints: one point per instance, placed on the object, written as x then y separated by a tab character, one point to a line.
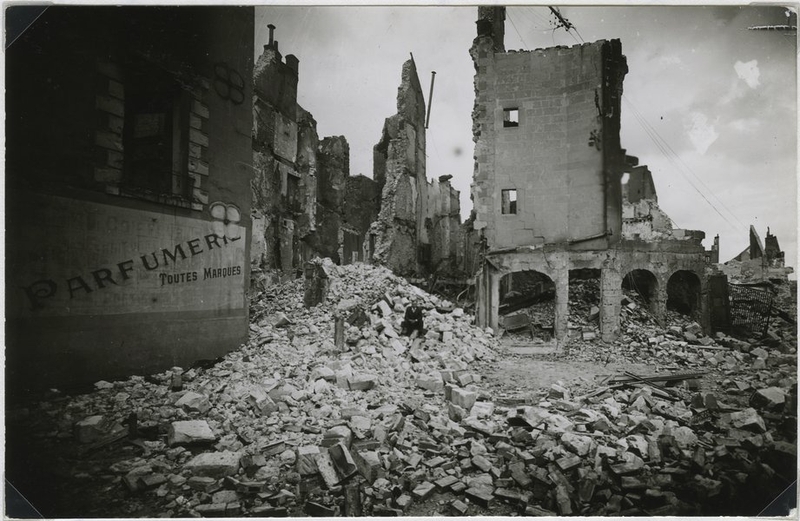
663	421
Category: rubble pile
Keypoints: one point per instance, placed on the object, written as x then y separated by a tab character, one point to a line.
383	424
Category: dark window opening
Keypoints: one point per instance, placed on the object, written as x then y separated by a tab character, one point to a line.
509	201
156	140
293	194
510	117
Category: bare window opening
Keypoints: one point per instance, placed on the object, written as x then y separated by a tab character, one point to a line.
510	117
509	201
155	140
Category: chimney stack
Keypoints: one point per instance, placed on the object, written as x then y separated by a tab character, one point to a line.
271	34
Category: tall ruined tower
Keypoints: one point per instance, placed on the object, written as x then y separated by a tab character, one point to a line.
400	236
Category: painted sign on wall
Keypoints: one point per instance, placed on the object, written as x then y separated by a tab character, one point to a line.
83	258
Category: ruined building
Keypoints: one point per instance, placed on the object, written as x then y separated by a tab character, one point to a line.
128	140
759	262
548	191
285	166
418	227
303	195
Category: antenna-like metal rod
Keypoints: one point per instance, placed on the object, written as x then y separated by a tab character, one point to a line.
430	100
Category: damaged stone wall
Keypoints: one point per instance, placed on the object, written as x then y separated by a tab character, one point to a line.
758	262
446	233
545	126
333	158
400	235
284	160
300	184
361	206
548	188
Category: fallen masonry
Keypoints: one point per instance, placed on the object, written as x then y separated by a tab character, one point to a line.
292	425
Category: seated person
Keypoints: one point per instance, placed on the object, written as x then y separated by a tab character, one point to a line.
412	321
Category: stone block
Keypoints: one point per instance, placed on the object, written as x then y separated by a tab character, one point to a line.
537	511
481	463
431	383
327	470
189	433
274	448
568	463
369	465
446	482
336	434
193	402
423	490
749	420
459	508
769	398
342	460
385	309
580	445
202	483
361	382
306	463
214	464
463	398
89	429
507	494
482	409
481	496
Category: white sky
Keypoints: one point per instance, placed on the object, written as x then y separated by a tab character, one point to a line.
720	100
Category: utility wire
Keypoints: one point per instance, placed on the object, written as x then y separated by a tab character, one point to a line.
662	146
517	30
682	162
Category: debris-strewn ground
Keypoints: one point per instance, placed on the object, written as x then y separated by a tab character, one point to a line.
450	423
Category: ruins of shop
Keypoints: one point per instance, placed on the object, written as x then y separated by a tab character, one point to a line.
554	192
129	140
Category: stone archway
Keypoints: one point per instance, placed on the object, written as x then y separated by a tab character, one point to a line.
684	291
528	294
644	285
585	301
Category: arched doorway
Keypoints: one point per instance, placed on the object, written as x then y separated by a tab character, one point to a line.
584	303
642	286
683	293
527	305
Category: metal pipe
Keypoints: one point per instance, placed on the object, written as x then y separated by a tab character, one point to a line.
430	100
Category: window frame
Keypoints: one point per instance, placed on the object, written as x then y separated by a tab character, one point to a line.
508	122
506	203
165	93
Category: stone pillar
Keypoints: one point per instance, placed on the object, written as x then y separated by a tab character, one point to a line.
659	304
610	302
482	298
494	299
561	316
704	315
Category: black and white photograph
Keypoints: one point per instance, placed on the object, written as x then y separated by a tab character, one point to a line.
425	260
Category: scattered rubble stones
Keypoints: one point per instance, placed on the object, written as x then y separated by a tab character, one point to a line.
291	424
